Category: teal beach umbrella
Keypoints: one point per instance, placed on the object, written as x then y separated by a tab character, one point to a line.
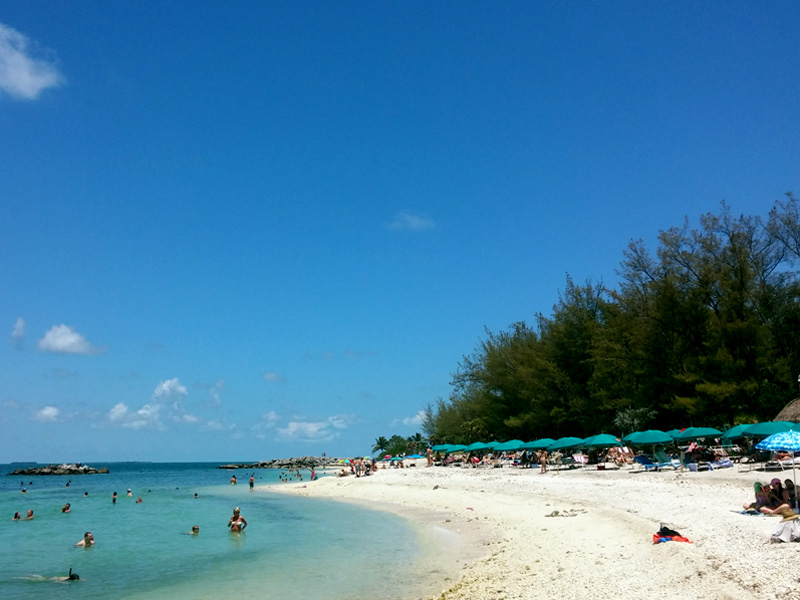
695	433
601	440
510	445
649	438
565	442
767	428
538	444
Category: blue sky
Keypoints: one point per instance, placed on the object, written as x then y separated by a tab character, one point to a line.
253	230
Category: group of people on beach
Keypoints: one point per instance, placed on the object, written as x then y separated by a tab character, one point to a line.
773	498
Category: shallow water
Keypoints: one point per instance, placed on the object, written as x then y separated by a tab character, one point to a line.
293	547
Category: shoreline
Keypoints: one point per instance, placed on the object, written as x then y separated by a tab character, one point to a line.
601	539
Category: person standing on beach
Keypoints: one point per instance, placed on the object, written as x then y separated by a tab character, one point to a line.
237	522
543	461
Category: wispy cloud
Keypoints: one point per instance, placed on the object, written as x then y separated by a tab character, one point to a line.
315	431
63	339
23	75
18	333
48	414
273	377
408	221
414	421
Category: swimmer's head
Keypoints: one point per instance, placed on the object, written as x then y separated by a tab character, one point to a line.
73	576
196	528
236	510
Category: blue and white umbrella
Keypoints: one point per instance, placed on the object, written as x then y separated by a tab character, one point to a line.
785	441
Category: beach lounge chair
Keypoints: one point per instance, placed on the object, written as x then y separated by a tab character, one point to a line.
665	461
645	462
580	460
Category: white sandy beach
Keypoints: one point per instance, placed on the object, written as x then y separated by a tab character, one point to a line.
507	547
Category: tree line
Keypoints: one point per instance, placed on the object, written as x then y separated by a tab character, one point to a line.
703	331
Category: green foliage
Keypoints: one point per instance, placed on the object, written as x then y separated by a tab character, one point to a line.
704	332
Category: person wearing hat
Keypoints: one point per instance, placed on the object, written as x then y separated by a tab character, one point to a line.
777	497
788	529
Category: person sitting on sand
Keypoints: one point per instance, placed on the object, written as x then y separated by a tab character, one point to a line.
777	496
65	508
237	522
791	491
87	541
761	498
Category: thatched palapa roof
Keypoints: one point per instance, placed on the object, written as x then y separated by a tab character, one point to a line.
790	412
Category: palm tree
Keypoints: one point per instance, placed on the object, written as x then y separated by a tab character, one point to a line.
381	444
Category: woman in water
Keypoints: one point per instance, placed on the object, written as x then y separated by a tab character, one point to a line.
237	522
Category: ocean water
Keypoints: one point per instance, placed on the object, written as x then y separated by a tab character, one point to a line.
292	548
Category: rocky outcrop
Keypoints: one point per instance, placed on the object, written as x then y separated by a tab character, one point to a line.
302	462
63	469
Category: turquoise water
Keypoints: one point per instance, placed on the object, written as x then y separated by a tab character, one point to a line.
292	548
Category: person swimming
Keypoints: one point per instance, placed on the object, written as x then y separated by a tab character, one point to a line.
87	541
195	530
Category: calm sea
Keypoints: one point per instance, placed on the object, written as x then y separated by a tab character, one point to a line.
292	548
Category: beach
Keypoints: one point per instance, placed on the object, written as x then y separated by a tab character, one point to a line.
581	533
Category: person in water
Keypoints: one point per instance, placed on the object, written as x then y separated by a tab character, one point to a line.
233	479
237	522
16	517
252	480
114	498
195	530
87	541
65	508
29	516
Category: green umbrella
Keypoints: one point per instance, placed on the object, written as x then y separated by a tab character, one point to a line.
601	440
442	447
694	433
509	445
736	432
478	446
648	438
767	428
538	444
455	448
565	442
673	432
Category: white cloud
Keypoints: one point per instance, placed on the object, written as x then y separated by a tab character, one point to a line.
407	221
307	431
169	389
47	414
63	339
18	333
414	421
315	431
118	412
22	75
216	392
272	377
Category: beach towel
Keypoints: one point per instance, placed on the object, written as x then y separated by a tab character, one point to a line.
657	539
665	534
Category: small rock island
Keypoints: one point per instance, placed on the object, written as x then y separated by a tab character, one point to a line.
62	469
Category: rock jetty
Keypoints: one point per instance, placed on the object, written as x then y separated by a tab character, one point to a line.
302	462
63	469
